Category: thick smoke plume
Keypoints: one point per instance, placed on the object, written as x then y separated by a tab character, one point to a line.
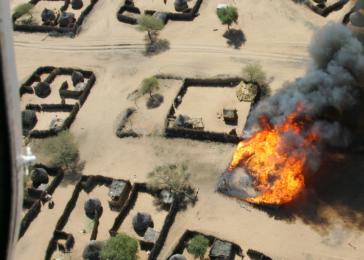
322	99
330	87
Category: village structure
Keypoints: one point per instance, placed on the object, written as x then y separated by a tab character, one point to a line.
162	129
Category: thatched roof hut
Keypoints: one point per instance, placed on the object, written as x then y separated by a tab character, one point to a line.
76	4
177	257
77	77
93	208
151	235
42	89
92	250
39	176
141	222
357	18
230	116
180	5
29	120
48	16
221	250
66	19
246	92
116	189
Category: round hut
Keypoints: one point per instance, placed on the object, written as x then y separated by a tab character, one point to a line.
48	16
39	176
29	120
77	77
93	208
76	4
66	19
177	257
42	89
180	5
141	222
92	250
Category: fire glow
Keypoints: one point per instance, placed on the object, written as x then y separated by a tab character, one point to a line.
275	159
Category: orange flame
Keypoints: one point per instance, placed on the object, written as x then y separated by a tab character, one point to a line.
276	163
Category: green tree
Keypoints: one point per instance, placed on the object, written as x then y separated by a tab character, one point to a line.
171	177
198	246
150	24
60	150
22	9
149	85
119	247
254	73
228	15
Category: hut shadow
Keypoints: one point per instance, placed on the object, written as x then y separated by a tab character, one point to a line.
235	38
156	47
335	191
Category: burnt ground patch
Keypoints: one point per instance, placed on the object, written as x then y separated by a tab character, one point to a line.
51	93
54	28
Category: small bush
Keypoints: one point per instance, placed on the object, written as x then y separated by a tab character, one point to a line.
228	15
198	246
150	24
21	10
149	85
172	177
61	150
120	247
254	73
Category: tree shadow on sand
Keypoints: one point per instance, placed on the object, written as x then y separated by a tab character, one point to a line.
235	38
156	46
335	191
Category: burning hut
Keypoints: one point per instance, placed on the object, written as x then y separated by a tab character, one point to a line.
221	250
118	193
230	116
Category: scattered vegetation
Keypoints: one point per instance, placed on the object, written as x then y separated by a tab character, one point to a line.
59	151
120	247
228	15
255	74
198	246
149	85
173	178
22	9
150	24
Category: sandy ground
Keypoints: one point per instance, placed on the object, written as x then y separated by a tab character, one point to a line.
277	35
208	104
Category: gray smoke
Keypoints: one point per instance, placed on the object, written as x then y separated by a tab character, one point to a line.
332	82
